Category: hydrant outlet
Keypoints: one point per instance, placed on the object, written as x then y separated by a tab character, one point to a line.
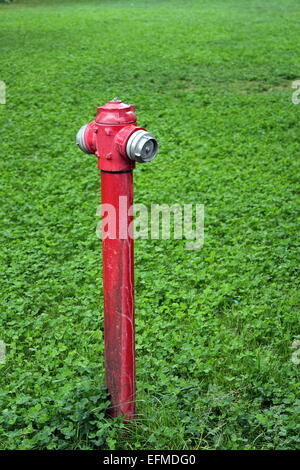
80	141
141	146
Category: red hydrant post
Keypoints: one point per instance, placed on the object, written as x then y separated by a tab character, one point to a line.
118	143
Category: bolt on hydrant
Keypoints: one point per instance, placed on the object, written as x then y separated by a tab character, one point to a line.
118	143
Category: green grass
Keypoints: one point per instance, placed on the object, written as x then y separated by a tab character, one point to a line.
212	79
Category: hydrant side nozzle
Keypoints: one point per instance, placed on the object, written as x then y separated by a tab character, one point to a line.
80	141
85	138
122	137
136	143
142	146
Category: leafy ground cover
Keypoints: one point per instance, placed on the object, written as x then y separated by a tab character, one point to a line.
215	327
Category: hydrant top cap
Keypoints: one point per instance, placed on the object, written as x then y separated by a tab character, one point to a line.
116	112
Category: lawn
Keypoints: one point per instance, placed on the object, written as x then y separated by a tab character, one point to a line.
215	328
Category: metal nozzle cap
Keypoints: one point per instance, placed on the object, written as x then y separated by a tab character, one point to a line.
142	146
80	139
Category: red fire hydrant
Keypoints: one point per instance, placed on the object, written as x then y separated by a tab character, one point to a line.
118	143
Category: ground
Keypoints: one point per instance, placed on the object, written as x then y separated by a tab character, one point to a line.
215	328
